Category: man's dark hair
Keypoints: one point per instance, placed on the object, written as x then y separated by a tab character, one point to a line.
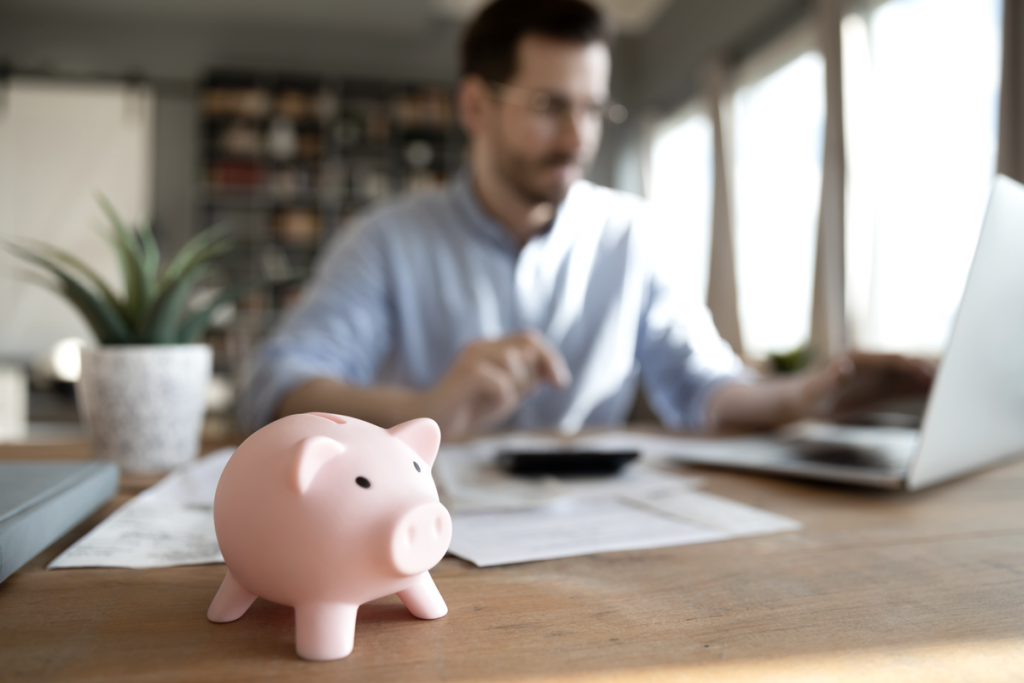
489	44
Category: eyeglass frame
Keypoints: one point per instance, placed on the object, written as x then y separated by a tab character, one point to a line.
557	105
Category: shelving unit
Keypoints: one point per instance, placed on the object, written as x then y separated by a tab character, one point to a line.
286	160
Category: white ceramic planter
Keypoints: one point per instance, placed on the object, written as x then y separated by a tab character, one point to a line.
143	405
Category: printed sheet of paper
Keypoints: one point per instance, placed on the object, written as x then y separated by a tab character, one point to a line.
566	530
715	512
168	524
143	534
657	519
501	519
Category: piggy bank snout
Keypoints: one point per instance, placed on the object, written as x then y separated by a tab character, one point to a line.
421	538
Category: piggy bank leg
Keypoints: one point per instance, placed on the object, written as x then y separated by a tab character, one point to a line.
423	599
325	631
231	601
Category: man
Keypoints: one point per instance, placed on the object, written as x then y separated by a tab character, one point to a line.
523	296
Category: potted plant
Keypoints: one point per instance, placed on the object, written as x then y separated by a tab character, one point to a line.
143	390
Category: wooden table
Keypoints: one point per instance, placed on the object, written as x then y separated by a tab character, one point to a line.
878	586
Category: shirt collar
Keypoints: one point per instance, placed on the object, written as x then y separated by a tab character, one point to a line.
480	221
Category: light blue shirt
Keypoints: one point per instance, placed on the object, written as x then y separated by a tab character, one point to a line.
401	291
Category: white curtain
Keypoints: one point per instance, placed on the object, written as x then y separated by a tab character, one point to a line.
828	314
722	296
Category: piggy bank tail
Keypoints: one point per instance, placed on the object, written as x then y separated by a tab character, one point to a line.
231	601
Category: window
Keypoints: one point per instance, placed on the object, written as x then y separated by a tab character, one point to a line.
682	183
921	100
779	120
921	83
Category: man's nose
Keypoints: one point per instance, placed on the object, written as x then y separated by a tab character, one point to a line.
571	130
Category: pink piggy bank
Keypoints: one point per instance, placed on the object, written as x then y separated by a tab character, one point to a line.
325	513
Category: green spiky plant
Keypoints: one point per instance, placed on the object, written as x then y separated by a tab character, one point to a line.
154	307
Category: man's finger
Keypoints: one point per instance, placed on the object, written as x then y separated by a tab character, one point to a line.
510	359
908	373
496	392
893	361
547	361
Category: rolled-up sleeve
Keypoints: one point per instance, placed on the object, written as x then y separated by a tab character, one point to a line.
341	328
682	357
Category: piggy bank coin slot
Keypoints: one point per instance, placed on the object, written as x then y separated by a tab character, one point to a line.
336	419
363	481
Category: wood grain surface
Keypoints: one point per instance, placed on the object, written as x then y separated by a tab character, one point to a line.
877	586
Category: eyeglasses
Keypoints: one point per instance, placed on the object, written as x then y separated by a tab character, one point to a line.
555	106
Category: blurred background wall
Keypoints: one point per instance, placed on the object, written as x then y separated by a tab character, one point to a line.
659	57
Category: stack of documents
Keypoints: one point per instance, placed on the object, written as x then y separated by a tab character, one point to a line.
497	518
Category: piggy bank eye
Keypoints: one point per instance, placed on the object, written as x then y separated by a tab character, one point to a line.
416	465
363	481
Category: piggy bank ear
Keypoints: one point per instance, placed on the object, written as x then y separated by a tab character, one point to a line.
422	435
308	456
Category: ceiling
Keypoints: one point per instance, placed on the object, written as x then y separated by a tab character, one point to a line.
629	17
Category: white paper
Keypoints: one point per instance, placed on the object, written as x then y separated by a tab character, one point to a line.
655	519
193	484
168	524
501	519
142	534
715	512
496	518
566	530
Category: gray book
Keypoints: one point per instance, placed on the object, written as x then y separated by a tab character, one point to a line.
42	501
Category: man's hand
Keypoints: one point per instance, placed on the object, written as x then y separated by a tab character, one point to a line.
847	384
484	385
856	381
489	380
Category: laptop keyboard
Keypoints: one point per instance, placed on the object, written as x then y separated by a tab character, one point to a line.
877	448
847	456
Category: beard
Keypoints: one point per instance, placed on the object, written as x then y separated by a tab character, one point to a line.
525	175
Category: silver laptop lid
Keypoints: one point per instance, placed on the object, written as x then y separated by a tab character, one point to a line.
975	412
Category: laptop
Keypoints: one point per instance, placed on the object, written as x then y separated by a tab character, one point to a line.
974	415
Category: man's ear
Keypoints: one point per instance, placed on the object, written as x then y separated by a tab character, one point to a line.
308	456
422	435
473	104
